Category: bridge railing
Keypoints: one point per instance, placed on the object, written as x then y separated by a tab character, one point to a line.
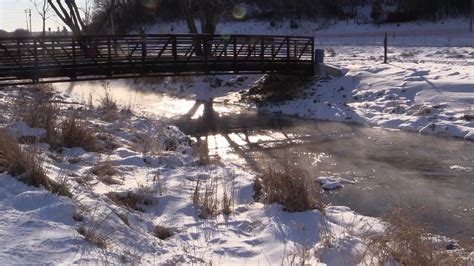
63	58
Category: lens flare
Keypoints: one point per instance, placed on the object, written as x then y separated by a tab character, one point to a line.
239	12
150	5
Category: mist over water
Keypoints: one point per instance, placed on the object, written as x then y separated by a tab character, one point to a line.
430	176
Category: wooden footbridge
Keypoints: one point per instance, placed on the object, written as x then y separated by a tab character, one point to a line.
65	58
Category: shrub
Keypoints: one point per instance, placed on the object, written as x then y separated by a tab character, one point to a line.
24	164
206	202
130	200
105	168
163	232
227	202
289	186
93	235
108	106
75	133
39	112
408	242
61	186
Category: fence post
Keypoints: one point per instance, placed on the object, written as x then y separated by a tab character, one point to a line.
385	43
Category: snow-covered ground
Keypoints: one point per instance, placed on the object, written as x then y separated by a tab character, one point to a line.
427	90
40	227
93	227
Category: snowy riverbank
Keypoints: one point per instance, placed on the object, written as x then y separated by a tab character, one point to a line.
426	90
140	186
122	193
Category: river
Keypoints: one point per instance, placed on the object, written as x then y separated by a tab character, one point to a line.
431	176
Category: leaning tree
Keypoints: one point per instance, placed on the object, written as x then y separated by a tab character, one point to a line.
71	15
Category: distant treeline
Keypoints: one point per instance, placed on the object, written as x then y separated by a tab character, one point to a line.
131	13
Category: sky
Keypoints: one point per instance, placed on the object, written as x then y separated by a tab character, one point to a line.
12	15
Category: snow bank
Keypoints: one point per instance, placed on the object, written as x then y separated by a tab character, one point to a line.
433	97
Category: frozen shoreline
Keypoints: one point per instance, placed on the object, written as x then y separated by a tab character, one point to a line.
424	97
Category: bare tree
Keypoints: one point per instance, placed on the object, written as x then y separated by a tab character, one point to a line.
68	12
43	9
74	19
108	6
209	14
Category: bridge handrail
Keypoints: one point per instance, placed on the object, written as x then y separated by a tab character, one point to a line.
111	56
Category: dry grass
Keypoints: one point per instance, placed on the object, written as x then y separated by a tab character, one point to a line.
23	163
105	171
76	133
146	144
159	184
408	243
94	237
162	232
130	200
61	186
206	202
210	199
40	112
289	186
227	201
27	166
108	106
106	142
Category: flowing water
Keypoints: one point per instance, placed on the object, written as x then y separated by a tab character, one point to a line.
431	176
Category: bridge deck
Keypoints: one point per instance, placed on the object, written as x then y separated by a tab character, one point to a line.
64	58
